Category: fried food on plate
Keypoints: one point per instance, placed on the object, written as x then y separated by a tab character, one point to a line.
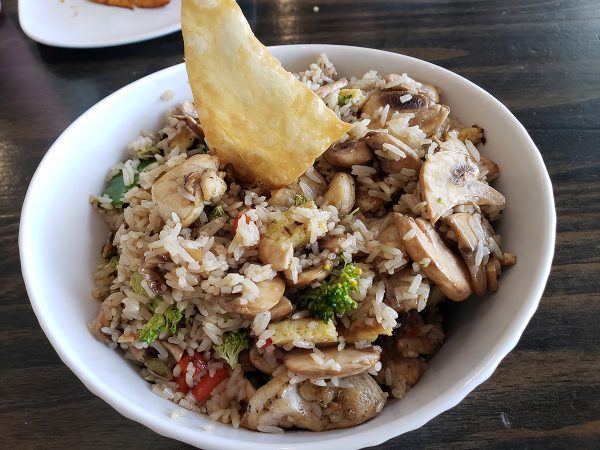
131	4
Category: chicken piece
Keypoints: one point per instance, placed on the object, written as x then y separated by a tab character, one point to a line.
285	405
185	188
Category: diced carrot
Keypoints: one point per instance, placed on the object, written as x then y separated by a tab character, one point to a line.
267	344
202	391
237	220
199	370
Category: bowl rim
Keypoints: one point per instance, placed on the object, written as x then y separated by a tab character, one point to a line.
378	434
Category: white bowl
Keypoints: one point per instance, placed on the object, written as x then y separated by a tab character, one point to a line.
60	238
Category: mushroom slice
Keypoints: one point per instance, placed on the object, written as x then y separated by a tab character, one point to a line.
192	124
308	277
261	363
491	273
312	186
508	259
428	116
376	142
341	193
468	242
346	154
449	179
175	350
427	90
269	294
331	243
367	203
154	274
445	269
490	167
184	189
336	363
282	309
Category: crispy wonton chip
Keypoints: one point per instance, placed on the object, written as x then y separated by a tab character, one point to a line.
256	116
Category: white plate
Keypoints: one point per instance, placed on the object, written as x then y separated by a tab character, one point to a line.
85	24
60	238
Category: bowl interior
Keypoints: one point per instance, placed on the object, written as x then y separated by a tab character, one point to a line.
60	238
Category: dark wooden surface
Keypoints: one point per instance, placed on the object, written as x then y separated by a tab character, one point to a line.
541	58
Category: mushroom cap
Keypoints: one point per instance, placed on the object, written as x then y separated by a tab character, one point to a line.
351	362
270	293
450	178
428	116
346	154
468	242
375	141
446	269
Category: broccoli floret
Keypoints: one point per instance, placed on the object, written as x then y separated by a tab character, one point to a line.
136	283
160	323
217	212
342	99
300	200
234	342
332	298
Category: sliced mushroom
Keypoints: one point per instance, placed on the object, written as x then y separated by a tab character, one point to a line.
428	116
154	271
341	193
108	249
346	154
308	277
445	268
327	89
468	238
491	273
197	177
281	310
397	295
367	203
269	294
192	124
430	91
183	139
388	234
490	167
138	354
331	243
175	350
508	259
449	179
312	187
261	363
278	253
376	143
349	362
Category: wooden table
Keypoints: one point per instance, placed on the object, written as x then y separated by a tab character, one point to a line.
541	58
